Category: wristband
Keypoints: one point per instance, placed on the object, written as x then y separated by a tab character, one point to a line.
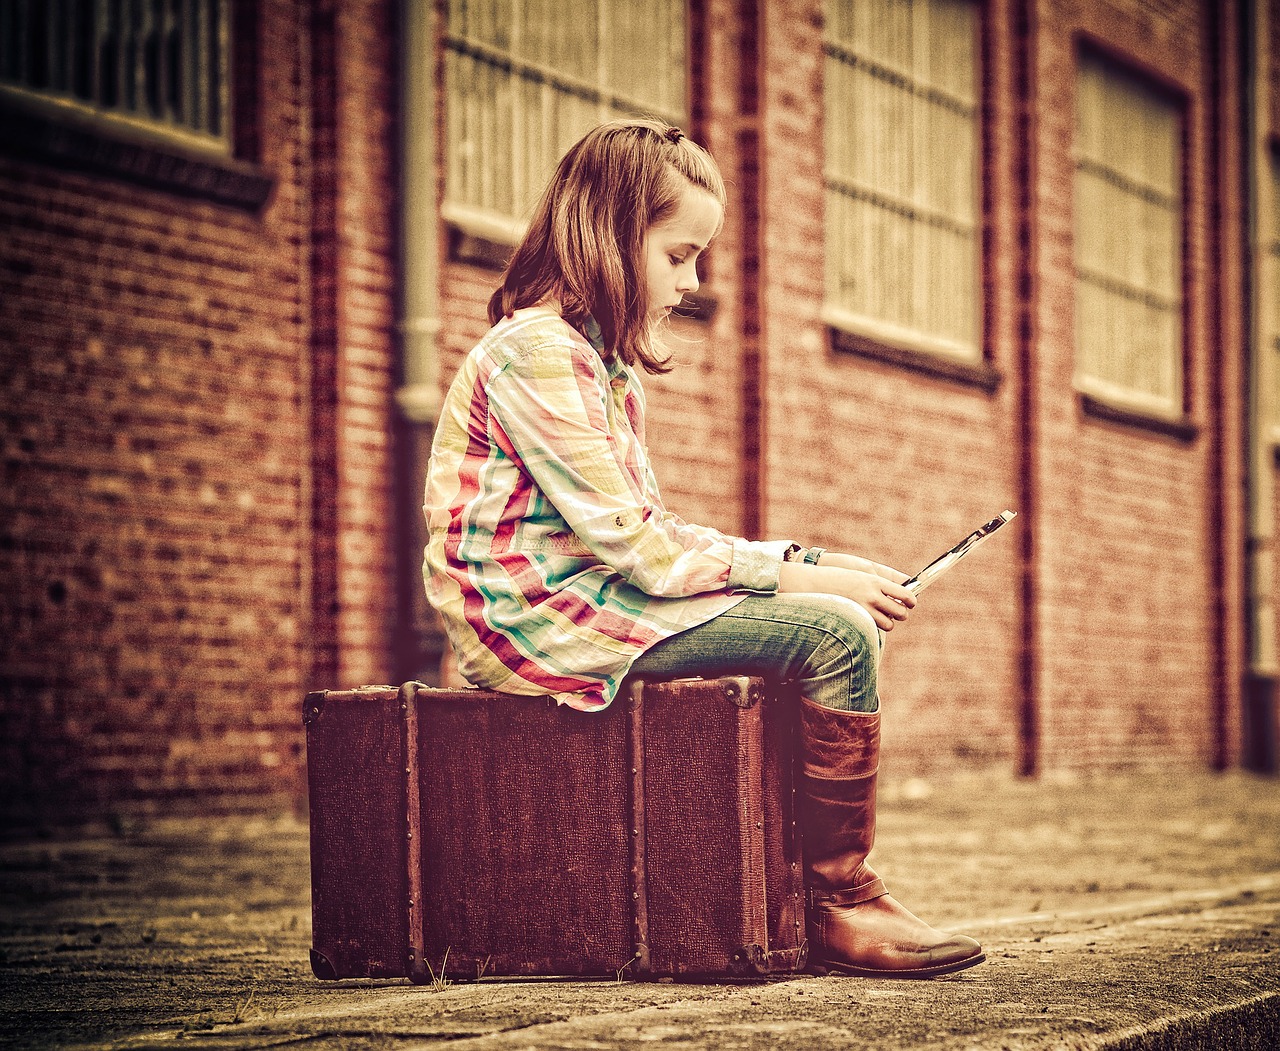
813	554
789	555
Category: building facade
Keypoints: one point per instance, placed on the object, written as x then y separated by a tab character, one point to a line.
978	254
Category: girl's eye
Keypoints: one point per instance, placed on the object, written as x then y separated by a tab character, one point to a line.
676	260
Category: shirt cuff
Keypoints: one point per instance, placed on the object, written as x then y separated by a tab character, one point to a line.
757	564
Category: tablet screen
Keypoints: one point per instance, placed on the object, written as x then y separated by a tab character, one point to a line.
941	564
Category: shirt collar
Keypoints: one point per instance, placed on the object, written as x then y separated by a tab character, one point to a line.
613	362
591	329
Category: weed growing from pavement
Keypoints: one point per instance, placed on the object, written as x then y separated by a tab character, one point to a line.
626	967
242	1007
440	980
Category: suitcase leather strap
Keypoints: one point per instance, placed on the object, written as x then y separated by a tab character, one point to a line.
639	863
408	697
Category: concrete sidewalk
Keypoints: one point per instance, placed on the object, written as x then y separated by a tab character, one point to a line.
1117	912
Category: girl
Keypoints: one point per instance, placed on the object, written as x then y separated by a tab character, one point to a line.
557	570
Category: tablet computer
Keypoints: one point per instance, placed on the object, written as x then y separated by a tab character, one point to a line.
942	563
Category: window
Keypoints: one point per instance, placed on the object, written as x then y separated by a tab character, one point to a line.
901	178
525	80
1128	242
161	64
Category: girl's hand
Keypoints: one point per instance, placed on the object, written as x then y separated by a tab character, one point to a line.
887	601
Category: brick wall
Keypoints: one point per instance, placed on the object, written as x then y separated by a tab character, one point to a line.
199	500
157	425
353	188
1272	109
1126	639
1127	654
1084	637
696	420
881	460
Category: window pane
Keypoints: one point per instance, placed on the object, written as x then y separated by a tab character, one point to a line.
1128	239
902	155
159	62
524	81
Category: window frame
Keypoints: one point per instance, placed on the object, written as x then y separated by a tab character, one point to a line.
484	236
886	340
149	78
56	128
1098	396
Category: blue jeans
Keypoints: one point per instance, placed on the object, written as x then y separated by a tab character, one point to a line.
828	645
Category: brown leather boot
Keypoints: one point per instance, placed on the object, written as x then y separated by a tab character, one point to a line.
855	926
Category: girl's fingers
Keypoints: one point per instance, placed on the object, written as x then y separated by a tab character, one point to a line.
895	607
886	612
901	594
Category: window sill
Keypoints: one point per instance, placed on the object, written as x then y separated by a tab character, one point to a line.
44	130
977	374
1115	411
479	238
477	250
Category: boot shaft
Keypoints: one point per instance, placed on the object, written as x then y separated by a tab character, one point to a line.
840	756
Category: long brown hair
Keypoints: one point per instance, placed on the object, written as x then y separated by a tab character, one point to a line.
585	243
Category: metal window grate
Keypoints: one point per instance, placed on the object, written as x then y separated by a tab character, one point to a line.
525	79
1128	240
160	62
901	177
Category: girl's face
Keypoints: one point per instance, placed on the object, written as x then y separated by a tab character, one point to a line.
672	248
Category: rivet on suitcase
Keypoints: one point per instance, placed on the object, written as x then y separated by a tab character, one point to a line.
474	833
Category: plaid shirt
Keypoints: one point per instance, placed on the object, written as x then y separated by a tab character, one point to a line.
550	557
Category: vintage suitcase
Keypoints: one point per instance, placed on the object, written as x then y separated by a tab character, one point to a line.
469	833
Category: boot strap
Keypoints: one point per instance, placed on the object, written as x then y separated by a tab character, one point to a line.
851	896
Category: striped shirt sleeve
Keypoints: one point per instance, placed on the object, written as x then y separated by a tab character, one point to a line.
552	408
